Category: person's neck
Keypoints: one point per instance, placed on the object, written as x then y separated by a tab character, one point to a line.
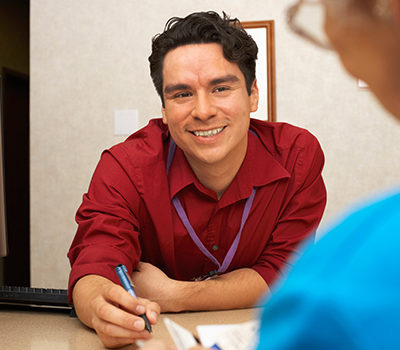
387	85
391	101
218	177
388	93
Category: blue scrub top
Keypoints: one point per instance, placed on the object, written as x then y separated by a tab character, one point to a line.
344	292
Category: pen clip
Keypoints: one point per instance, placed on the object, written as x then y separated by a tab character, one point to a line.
126	274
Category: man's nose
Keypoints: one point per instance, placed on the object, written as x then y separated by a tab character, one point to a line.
204	107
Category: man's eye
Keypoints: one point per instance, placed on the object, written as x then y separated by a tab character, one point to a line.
221	89
182	95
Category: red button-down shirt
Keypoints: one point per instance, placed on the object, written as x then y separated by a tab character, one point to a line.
127	214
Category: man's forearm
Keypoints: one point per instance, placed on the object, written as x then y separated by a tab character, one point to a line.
237	289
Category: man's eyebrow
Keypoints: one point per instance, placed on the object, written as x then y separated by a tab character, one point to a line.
230	78
175	87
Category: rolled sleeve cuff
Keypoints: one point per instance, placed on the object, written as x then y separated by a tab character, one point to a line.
94	261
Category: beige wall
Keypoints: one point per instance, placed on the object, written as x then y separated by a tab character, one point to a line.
89	58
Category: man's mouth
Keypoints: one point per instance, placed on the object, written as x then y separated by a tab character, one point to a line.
208	133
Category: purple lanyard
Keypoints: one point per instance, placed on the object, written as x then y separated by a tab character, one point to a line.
182	215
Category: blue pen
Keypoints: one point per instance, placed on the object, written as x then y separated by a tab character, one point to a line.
215	346
126	282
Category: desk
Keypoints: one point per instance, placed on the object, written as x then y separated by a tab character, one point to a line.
37	330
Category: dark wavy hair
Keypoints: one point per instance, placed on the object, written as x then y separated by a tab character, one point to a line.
205	27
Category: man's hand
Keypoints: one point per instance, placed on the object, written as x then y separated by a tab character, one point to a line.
111	311
228	291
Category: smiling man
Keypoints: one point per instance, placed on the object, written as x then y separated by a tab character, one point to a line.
207	110
204	206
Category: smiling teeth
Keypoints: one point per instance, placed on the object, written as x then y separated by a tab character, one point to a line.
208	132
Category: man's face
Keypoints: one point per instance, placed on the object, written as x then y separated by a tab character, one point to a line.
207	107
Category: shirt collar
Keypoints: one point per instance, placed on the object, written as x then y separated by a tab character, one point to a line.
259	168
181	175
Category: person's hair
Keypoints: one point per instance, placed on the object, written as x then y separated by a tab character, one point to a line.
205	27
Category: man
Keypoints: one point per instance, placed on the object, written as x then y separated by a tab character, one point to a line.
204	192
344	292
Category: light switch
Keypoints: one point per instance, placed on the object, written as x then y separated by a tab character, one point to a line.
126	121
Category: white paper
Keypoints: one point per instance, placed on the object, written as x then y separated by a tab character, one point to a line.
208	334
182	337
240	337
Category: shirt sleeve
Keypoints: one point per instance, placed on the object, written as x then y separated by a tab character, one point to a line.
107	233
301	210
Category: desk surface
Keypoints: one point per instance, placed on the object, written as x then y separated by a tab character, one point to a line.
38	330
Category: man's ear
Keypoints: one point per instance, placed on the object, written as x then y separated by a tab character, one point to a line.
164	116
254	96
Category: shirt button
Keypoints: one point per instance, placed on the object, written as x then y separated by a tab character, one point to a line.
214	247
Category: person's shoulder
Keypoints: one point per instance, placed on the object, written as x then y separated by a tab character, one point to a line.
362	236
373	220
380	208
383	205
145	146
281	136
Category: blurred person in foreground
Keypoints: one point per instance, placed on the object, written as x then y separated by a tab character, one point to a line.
344	292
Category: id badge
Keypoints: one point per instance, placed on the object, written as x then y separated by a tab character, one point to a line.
207	276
